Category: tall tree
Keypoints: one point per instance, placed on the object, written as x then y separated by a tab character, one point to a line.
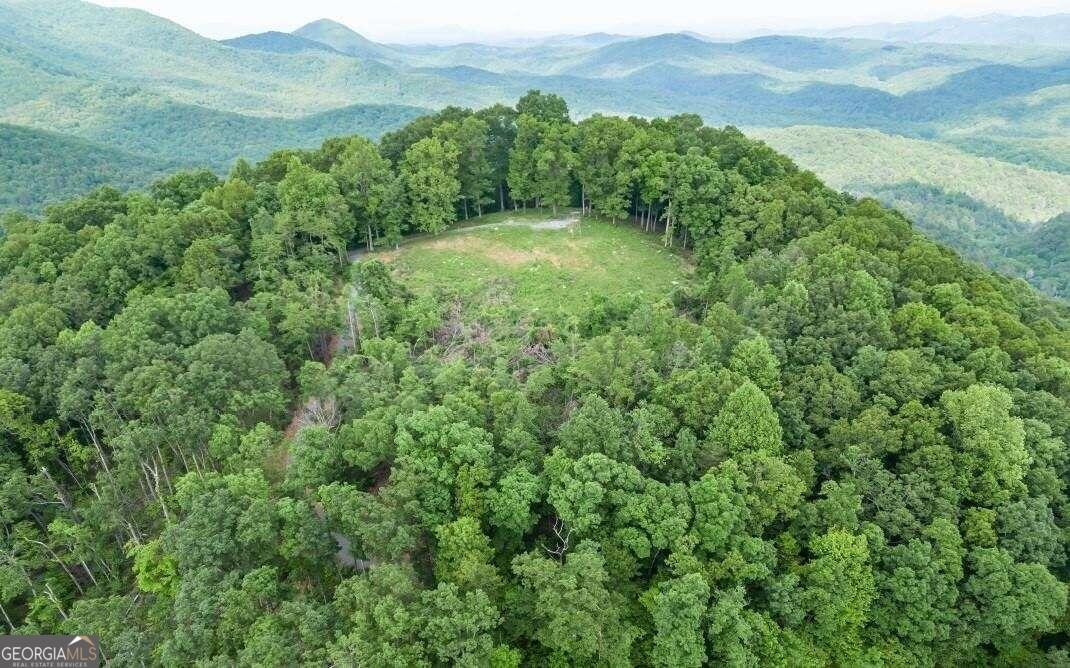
431	186
312	213
544	107
600	143
474	170
553	160
365	179
501	133
522	171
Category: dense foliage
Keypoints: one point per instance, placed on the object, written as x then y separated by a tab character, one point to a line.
990	211
38	167
1038	254
223	444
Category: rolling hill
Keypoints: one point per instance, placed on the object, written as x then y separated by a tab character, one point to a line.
140	122
1007	216
80	42
342	39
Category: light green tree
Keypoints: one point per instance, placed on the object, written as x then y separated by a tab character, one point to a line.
431	185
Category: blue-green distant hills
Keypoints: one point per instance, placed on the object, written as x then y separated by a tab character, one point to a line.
1052	30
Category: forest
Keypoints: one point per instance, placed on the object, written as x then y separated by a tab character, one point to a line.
232	434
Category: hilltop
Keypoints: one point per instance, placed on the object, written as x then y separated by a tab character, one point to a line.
342	39
670	401
136	83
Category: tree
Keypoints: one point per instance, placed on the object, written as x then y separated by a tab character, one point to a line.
313	212
697	196
553	163
600	144
474	170
1006	602
576	618
647	158
746	423
430	173
991	443
522	166
754	359
464	555
501	133
383	619
211	262
839	591
183	188
543	107
678	607
918	588
365	180
457	626
721	513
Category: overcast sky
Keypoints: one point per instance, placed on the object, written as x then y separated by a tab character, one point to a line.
459	20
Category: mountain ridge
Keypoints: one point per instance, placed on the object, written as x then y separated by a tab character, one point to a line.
1049	30
276	42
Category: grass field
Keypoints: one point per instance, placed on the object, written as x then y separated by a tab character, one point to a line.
516	265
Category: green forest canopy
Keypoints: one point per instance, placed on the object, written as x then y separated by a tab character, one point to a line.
837	444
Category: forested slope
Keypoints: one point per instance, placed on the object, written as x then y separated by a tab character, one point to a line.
836	444
1024	193
987	209
38	167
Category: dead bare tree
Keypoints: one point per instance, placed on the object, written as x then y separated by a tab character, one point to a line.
563	533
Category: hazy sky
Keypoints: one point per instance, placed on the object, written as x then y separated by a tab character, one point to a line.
457	20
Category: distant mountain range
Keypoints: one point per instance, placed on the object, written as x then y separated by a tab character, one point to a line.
90	80
1052	30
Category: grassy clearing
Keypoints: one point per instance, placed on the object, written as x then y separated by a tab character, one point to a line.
509	265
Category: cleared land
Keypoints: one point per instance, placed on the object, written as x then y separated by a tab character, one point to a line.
538	263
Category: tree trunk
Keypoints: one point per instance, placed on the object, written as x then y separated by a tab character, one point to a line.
501	196
668	225
55	557
8	619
